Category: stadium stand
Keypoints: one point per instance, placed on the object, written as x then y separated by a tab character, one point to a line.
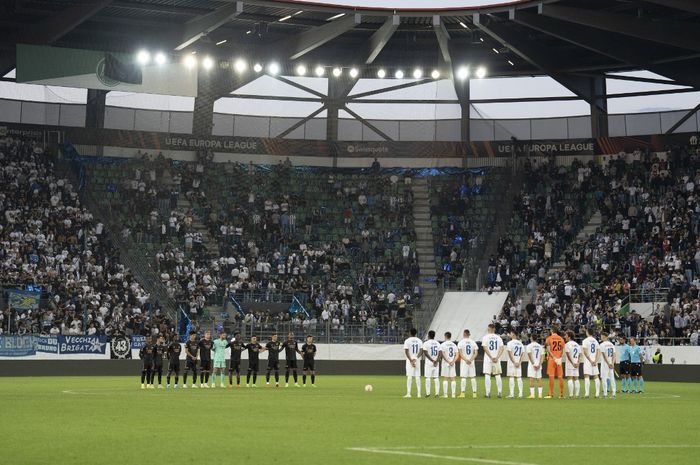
51	241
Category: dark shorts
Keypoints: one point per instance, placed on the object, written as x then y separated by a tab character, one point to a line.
235	366
309	365
624	367
158	366
148	365
190	365
174	366
253	366
273	365
636	369
291	364
205	365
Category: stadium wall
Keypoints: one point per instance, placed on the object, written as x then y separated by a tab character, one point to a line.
347	359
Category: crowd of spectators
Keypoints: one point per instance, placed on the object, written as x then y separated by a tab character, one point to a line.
332	239
49	241
646	249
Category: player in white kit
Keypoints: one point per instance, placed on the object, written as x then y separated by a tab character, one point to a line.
607	365
514	369
535	357
492	345
448	356
467	350
431	352
412	349
573	354
591	355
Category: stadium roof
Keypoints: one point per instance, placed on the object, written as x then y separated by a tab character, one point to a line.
560	38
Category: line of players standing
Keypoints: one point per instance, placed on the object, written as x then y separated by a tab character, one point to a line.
201	350
598	360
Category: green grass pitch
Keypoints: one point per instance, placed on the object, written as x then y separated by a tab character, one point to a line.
110	420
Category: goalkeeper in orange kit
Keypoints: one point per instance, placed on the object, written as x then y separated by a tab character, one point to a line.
555	351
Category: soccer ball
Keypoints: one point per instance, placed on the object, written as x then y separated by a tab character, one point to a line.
368	388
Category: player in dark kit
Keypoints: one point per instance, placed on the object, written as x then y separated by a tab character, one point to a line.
308	352
291	349
205	346
191	351
273	348
174	350
236	346
254	350
146	355
160	349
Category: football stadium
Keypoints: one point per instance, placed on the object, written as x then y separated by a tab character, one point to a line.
350	231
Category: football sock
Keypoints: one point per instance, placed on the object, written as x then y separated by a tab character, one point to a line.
453	385
511	385
499	384
303	379
613	385
520	387
532	392
286	376
427	386
551	386
561	386
255	377
445	392
605	387
539	389
474	385
143	376
587	386
160	377
176	377
167	380
577	387
409	381
230	377
222	378
184	378
596	383
487	384
267	377
437	386
277	377
247	378
294	374
463	385
641	384
201	378
570	385
238	378
624	384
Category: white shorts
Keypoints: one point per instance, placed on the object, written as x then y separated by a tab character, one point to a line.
512	370
571	370
532	373
448	371
490	367
430	370
605	372
413	370
467	371
590	370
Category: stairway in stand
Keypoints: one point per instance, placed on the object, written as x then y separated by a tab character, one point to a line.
424	238
210	244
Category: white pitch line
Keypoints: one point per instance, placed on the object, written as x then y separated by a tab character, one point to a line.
538	446
435	456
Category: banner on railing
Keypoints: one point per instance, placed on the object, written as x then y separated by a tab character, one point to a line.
120	347
82	344
17	346
137	342
23	300
47	344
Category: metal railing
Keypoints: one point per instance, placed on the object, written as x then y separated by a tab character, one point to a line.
323	331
